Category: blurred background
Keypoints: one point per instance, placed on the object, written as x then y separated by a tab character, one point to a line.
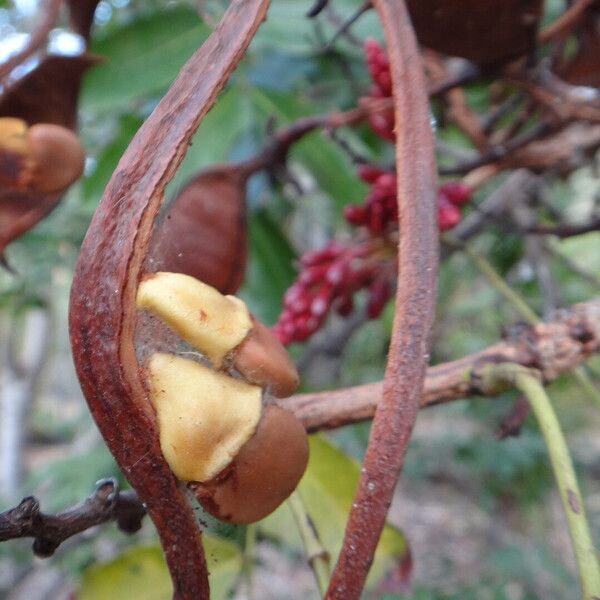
481	515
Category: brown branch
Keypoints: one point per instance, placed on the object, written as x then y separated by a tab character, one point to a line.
553	348
415	306
563	230
107	503
103	314
565	23
35	41
498	153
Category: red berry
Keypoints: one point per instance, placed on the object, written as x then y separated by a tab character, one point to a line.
383	126
456	192
448	214
380	291
355	214
369	173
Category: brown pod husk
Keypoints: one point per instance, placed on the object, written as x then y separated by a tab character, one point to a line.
264	473
203	231
49	93
46	95
484	31
262	360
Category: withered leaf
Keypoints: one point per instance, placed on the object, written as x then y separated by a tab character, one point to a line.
203	232
484	31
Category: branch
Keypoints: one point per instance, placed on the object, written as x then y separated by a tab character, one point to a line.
107	503
565	23
563	230
35	41
415	306
554	348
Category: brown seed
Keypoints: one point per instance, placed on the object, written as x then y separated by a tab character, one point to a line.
262	360
57	155
264	473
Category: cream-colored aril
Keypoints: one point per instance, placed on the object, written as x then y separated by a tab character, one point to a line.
212	323
204	416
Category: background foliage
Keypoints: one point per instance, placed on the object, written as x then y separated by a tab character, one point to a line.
481	515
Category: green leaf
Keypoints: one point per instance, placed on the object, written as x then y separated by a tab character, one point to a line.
325	160
230	117
270	269
142	574
143	58
328	489
94	184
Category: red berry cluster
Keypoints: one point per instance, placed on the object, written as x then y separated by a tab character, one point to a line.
379	212
451	196
379	69
329	279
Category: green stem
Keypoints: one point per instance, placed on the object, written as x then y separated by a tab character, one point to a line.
528	383
519	304
248	558
584	380
496	281
317	556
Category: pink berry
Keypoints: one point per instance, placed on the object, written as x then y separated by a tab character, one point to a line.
448	214
456	192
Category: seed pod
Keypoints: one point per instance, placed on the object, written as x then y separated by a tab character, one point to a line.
204	417
264	473
57	157
480	30
212	323
203	231
262	360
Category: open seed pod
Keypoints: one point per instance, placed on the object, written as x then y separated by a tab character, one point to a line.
37	164
241	454
43	158
40	155
113	367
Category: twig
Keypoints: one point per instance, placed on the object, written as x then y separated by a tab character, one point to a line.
552	247
35	41
316	8
513	422
564	230
528	382
345	26
500	152
565	23
316	555
415	306
494	279
553	348
107	503
519	304
248	559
